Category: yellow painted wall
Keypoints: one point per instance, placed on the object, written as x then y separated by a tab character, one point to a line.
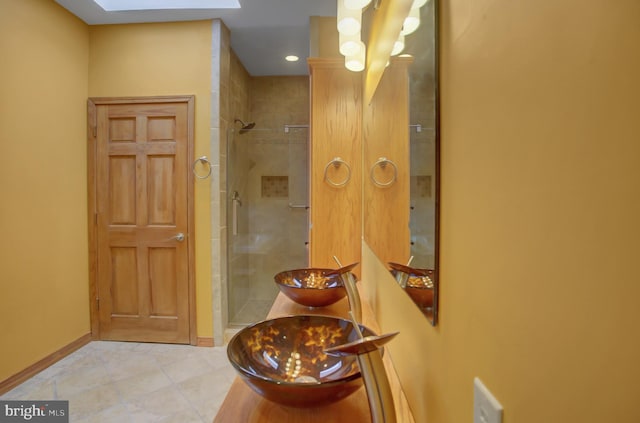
323	37
540	218
164	59
44	56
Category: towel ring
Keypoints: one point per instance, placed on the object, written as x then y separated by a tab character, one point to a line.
204	161
382	162
337	162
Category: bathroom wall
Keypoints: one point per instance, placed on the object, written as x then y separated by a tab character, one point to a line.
165	59
44	288
539	228
323	37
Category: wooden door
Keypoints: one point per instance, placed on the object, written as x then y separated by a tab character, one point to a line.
142	219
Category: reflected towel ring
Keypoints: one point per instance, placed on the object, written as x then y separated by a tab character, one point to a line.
204	162
382	162
337	162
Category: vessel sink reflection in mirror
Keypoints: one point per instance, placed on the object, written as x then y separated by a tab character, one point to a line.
283	359
418	283
313	287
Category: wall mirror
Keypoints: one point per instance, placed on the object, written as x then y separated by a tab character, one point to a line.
415	268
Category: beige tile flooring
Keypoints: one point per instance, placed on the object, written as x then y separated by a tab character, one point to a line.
127	382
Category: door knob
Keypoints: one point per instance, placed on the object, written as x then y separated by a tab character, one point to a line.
179	237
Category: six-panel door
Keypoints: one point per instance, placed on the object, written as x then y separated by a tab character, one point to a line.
142	222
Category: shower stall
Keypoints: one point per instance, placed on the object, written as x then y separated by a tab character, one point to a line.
267	214
422	196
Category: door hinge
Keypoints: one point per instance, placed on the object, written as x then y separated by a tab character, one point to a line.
98	303
94	130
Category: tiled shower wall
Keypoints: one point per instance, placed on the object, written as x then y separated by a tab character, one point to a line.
270	102
219	55
229	99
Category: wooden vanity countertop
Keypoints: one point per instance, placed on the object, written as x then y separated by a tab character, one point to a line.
244	405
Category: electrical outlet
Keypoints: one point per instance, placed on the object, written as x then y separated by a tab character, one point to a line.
486	408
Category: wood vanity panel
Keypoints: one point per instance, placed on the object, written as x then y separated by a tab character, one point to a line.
336	131
386	134
244	405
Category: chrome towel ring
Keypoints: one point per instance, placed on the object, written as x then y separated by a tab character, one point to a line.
205	162
382	162
337	162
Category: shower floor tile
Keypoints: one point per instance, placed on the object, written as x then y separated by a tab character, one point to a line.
253	311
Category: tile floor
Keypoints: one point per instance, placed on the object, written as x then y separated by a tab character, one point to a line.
127	382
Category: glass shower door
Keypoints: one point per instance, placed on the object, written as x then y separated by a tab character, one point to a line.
267	183
422	197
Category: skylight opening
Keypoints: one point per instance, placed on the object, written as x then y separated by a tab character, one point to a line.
123	5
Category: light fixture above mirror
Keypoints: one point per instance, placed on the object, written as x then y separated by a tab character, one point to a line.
349	25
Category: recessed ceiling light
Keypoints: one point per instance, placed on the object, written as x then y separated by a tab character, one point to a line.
121	5
292	58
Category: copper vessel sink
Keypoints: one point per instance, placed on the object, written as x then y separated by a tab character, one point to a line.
284	359
418	283
313	287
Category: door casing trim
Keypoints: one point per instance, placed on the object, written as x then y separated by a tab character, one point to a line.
92	102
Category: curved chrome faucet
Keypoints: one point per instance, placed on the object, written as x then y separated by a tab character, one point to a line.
369	356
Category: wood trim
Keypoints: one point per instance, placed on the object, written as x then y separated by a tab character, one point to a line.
204	342
92	214
143	100
193	333
20	377
324	62
92	208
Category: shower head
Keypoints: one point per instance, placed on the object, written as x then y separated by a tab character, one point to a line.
245	127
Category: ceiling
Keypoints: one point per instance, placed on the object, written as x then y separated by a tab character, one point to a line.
263	32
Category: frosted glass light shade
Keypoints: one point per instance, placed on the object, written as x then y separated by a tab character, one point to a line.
417	4
411	22
355	63
349	21
350	44
398	46
356	4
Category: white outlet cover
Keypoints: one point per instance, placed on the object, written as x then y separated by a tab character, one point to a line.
486	408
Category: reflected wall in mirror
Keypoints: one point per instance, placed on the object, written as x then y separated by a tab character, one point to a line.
406	212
